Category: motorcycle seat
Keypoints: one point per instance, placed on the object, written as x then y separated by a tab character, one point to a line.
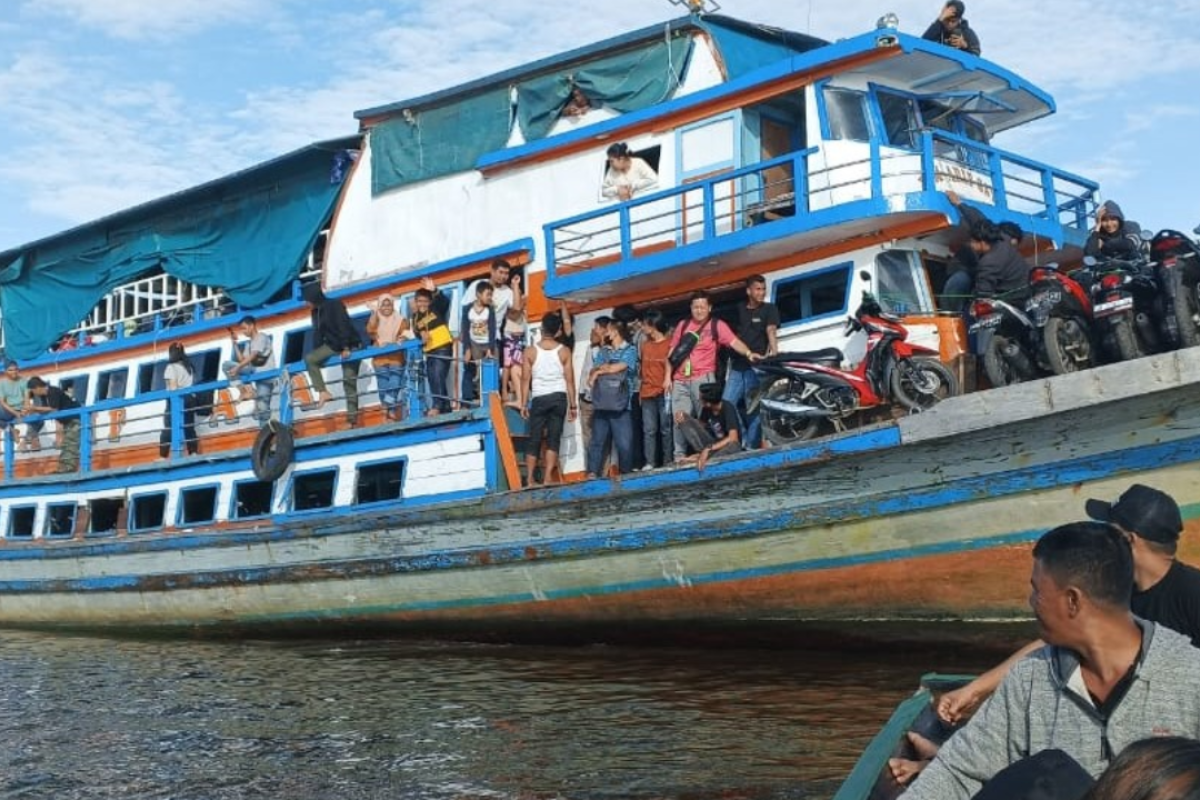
828	355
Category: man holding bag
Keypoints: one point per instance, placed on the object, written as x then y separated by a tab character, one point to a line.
695	346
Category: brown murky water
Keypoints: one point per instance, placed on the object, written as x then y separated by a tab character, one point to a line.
100	718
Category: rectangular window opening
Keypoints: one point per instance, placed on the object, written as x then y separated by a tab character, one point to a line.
252	499
60	519
149	512
313	490
20	522
198	505
379	482
809	297
105	514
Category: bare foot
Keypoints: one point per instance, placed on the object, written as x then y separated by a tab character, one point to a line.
323	398
904	770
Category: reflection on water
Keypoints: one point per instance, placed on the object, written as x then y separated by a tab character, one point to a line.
98	718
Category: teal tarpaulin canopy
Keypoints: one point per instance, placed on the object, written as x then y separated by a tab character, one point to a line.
625	82
431	142
248	234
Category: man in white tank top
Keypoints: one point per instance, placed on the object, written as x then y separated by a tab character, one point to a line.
547	398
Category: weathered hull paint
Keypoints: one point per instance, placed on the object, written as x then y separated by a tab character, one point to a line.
929	518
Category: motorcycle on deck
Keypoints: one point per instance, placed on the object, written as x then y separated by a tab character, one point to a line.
1125	296
1176	264
804	391
1050	333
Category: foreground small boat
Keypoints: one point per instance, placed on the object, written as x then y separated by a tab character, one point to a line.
871	779
775	154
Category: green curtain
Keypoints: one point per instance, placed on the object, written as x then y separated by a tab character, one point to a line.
437	141
625	82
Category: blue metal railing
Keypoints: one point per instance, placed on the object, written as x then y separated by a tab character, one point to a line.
415	394
728	202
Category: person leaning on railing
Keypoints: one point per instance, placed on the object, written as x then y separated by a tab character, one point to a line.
46	399
333	334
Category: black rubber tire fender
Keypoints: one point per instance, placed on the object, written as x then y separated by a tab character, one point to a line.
273	450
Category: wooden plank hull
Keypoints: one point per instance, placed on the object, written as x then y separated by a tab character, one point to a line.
929	518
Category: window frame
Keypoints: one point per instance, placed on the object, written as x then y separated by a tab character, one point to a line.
402	461
181	504
297	475
846	267
131	525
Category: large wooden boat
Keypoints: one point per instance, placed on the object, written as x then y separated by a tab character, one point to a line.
809	162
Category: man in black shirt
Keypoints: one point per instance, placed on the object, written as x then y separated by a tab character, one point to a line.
46	399
757	323
715	433
1166	590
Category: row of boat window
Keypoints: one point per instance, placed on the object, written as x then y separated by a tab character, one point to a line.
146	512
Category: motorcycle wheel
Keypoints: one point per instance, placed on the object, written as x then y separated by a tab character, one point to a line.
781	429
1187	296
999	370
922	383
1068	345
1125	340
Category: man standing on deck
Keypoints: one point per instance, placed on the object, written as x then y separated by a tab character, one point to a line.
1104	680
758	321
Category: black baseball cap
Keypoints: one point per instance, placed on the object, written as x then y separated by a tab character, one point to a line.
1151	514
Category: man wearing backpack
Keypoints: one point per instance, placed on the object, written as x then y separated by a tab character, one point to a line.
695	345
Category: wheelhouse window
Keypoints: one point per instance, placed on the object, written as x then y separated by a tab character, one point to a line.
810	297
900	120
846	114
148	512
313	490
20	522
379	482
901	285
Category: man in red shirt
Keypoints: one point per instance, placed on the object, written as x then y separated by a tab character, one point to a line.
686	375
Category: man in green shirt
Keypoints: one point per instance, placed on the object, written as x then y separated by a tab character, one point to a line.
13	392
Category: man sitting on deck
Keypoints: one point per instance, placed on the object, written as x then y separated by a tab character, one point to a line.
1103	681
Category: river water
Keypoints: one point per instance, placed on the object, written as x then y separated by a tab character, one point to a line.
104	718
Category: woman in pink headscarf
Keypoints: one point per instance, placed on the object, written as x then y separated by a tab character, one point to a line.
387	328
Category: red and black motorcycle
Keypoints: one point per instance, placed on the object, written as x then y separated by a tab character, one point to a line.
1176	263
802	392
1050	332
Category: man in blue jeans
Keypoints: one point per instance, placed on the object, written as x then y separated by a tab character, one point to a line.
758	322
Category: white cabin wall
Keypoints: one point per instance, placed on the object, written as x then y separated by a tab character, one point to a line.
453	216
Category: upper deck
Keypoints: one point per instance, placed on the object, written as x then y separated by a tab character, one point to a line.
772	150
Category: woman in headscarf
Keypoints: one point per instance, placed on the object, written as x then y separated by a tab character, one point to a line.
179	375
387	328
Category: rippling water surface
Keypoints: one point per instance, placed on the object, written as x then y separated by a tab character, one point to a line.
100	718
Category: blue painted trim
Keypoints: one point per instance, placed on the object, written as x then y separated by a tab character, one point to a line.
966	490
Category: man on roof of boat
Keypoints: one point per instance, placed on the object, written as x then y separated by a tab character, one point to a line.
1104	680
952	30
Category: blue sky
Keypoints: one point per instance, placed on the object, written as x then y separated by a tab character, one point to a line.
108	103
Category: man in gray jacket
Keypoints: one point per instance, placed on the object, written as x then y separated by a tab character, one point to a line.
1104	680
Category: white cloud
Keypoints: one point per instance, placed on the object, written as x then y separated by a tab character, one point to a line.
139	19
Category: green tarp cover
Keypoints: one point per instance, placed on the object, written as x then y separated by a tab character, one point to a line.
431	142
625	82
250	236
744	51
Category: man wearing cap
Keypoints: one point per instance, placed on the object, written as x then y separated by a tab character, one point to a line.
1166	592
952	30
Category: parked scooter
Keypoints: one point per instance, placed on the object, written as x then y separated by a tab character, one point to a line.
1126	305
1176	264
803	392
1049	333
